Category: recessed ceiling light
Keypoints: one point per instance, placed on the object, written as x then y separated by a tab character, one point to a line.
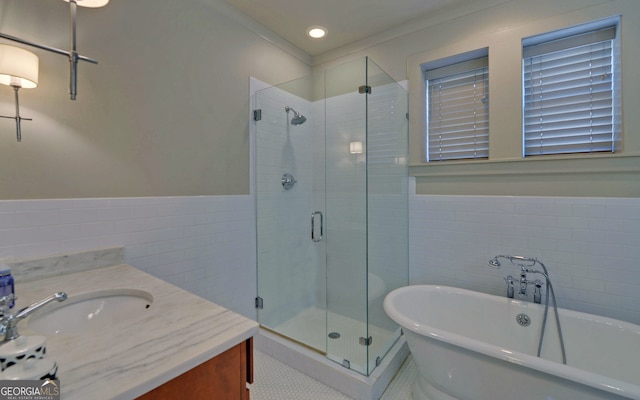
316	32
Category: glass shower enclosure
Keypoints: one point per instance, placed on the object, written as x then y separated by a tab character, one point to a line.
332	228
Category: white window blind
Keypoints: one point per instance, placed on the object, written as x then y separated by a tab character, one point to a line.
568	94
458	111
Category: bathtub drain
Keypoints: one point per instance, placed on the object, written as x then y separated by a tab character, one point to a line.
334	335
523	319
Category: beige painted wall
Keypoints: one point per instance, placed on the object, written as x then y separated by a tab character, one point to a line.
500	26
164	113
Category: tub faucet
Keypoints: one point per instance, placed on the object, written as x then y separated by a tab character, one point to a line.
523	283
9	322
526	265
537	294
510	289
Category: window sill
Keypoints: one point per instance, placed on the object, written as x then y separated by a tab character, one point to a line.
538	165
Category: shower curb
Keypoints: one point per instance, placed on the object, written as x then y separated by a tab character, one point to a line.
334	375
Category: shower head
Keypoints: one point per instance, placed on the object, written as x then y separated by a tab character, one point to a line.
298	119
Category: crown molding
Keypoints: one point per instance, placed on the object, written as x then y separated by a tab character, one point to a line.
260	30
416	25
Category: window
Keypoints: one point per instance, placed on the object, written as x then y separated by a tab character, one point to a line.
457	95
569	91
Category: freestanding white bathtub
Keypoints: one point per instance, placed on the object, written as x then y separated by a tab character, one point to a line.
469	346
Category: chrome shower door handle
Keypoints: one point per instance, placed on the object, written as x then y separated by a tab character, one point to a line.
313	227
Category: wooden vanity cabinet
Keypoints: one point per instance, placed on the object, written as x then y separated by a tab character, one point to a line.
224	377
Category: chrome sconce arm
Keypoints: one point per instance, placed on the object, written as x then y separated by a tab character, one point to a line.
19	67
72	54
17	117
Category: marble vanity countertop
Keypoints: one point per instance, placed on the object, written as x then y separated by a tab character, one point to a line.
127	359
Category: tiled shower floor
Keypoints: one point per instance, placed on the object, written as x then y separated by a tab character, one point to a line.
313	325
274	380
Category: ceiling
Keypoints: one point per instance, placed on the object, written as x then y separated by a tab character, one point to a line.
347	21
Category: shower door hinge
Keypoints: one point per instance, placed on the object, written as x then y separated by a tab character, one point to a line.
257	114
366	341
259	303
364	89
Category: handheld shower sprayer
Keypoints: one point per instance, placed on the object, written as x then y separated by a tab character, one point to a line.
525	263
495	263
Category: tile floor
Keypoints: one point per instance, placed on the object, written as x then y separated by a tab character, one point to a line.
275	380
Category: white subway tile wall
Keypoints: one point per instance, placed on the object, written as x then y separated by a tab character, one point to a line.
207	244
591	246
288	257
204	244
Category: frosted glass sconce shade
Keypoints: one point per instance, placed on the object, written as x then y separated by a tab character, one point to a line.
18	67
355	147
90	3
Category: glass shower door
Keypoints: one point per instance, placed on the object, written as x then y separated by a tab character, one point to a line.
290	263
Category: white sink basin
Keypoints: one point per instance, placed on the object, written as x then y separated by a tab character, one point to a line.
90	311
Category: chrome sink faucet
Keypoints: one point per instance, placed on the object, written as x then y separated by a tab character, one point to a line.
9	322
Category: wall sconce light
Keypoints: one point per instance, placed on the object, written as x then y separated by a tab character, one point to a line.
355	147
18	69
90	3
400	160
72	54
